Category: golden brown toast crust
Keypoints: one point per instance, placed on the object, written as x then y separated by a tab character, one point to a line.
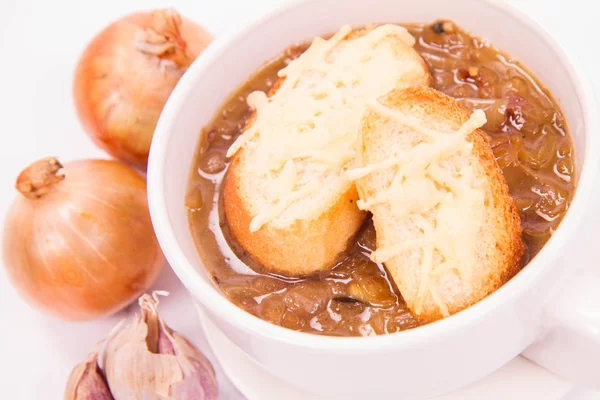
502	258
294	251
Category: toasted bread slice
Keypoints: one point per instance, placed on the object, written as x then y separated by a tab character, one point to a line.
286	199
447	229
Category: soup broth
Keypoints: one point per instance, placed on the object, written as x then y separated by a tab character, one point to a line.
356	297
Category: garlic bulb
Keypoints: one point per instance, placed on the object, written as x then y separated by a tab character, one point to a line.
147	360
87	382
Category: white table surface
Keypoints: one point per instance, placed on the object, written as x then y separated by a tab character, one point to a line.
39	45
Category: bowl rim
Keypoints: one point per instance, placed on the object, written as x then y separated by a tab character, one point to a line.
217	304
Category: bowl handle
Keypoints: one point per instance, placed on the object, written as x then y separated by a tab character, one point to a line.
569	344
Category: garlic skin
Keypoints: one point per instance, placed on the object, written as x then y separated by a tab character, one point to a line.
146	360
87	382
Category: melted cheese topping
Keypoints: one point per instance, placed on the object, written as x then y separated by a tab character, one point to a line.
426	193
307	132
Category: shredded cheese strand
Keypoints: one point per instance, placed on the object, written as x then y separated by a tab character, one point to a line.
258	221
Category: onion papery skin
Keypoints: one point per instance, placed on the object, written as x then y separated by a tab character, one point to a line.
119	91
85	248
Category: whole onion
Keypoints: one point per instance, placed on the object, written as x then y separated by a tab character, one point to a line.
78	241
126	74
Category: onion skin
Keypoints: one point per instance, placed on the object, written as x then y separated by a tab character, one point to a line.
126	74
84	247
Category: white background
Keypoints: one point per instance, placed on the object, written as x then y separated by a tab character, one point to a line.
39	45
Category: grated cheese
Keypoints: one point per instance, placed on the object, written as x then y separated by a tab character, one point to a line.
313	119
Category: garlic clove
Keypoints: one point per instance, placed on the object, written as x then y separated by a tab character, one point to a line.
87	382
199	377
147	360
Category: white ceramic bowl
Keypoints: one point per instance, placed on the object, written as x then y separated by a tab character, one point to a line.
430	359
